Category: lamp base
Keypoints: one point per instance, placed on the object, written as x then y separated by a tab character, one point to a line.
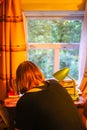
71	89
75	97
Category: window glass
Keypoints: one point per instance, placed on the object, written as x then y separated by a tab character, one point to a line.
69	58
43	31
44	58
54	31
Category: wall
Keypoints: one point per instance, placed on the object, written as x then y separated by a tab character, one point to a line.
53	5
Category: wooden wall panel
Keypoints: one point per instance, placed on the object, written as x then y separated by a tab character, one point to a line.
53	5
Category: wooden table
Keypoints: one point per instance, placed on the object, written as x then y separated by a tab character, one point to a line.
80	105
80	102
10	104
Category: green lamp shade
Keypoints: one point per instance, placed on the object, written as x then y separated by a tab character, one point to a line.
61	74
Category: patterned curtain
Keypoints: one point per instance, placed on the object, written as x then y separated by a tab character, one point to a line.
12	42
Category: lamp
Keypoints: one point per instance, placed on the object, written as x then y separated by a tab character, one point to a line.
61	74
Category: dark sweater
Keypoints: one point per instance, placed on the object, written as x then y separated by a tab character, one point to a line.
49	109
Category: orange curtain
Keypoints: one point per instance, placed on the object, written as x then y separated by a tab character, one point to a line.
84	85
12	42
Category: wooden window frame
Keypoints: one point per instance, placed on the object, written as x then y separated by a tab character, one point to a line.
53	15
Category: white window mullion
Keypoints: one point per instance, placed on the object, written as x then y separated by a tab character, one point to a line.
56	59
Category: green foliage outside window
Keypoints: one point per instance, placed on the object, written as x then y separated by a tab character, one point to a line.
54	32
44	59
69	58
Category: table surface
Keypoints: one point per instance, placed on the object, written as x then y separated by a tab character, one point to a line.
10	104
12	101
80	102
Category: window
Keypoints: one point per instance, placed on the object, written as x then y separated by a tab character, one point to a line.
53	40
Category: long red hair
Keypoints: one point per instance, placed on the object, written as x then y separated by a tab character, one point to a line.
28	76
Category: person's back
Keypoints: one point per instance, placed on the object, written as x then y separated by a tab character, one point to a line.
49	109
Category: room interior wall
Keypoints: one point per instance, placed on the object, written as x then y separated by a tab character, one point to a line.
53	5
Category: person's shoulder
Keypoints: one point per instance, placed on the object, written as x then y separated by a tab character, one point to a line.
53	82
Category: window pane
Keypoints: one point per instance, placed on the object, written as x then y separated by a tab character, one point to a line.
44	59
43	31
54	31
69	58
